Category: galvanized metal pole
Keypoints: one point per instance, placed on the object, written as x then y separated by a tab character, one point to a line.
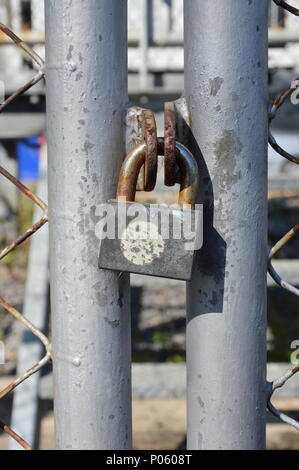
226	88
86	101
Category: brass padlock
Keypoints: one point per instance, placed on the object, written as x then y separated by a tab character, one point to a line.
161	240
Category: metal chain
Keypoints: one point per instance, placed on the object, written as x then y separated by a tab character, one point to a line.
39	62
279	101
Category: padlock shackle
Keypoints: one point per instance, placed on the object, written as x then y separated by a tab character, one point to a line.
189	176
129	173
135	160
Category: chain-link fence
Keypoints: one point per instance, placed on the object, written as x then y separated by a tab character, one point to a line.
37	61
279	101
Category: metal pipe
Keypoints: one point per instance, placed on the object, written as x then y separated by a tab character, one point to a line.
86	56
226	89
277	37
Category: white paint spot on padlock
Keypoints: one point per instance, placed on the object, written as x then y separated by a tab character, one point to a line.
141	243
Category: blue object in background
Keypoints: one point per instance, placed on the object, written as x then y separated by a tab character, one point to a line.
28	156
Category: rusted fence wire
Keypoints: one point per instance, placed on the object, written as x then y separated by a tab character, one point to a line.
279	101
287	7
39	62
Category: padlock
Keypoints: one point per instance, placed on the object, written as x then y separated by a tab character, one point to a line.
152	239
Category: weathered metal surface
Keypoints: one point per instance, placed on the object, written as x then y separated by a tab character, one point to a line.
129	174
86	56
156	256
135	136
134	133
134	161
226	300
153	253
170	153
149	129
141	128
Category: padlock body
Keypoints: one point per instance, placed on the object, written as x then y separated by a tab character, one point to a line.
153	240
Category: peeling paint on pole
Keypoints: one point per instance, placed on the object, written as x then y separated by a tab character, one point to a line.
86	53
226	90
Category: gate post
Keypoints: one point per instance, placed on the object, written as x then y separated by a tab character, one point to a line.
86	55
226	89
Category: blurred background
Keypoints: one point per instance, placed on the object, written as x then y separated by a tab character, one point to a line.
156	75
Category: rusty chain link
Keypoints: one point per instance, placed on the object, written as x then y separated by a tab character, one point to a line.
39	62
145	120
170	153
279	101
149	127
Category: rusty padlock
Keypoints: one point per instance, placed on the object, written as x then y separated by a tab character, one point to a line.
161	240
